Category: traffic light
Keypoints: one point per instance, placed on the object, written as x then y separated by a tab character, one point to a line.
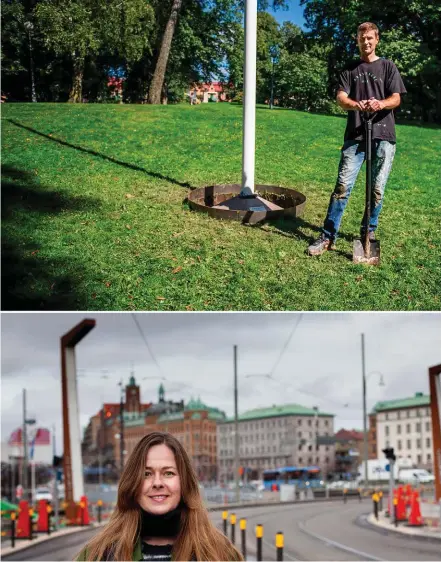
57	461
389	452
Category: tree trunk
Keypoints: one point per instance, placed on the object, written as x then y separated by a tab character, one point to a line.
161	64
76	92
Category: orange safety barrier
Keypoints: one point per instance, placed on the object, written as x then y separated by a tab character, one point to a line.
415	519
401	506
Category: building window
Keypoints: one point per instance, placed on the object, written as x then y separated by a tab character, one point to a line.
300	447
409	444
427	426
309	423
408	413
398	415
386	429
398	429
326	423
387	417
428	442
300	460
418	443
309	447
429	457
418	426
299	422
399	444
408	428
418	459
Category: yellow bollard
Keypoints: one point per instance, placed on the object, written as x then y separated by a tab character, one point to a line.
233	527
259	537
279	546
225	518
243	530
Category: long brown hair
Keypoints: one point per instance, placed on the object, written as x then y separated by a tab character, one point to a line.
198	538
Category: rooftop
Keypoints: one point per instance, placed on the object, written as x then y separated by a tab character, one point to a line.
419	399
277	411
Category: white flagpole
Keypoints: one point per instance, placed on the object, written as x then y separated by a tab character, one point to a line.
249	102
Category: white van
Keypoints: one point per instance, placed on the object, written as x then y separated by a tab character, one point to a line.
415	476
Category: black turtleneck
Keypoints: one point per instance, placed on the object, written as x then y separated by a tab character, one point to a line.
164	525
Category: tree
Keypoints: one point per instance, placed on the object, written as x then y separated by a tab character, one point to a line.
84	28
161	65
69	26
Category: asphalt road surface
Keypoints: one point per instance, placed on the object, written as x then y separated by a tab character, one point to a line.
313	531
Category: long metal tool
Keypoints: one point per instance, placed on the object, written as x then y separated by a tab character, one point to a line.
367	251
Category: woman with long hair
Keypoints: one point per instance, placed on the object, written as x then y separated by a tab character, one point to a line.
159	513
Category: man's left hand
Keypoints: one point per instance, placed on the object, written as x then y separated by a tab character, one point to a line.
374	105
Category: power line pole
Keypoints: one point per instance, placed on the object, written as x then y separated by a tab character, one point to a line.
56	469
121	434
236	431
25	451
365	437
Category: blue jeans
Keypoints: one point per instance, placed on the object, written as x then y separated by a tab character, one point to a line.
352	157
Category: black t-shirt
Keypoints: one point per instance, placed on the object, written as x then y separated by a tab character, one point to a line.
157	553
363	80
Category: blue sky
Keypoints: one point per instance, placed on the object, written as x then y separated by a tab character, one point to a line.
294	14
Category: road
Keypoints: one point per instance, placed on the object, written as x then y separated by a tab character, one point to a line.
312	531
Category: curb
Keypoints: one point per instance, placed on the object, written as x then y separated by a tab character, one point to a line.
45	538
403	531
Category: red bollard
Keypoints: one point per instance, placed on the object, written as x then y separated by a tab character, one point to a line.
23	530
43	517
86	516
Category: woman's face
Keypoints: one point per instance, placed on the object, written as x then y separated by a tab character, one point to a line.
161	490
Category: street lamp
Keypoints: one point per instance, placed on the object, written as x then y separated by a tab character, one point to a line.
121	414
274	55
29	26
365	436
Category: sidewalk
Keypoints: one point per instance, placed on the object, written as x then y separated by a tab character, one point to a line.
23	544
427	531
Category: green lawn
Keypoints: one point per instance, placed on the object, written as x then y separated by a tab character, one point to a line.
95	214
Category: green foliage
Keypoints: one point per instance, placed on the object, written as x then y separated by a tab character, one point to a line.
302	82
409	35
68	26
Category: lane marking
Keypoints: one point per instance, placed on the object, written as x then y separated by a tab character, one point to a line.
337	544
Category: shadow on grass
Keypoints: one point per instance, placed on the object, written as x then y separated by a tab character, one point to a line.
103	156
291	228
31	282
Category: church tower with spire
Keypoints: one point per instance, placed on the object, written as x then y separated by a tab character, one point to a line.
161	394
133	399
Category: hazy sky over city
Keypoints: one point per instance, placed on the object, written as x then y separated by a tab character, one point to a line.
320	366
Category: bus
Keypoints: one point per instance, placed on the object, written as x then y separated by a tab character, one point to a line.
301	477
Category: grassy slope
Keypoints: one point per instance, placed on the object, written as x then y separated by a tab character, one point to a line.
105	225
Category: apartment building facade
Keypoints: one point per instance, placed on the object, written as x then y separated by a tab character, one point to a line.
284	435
405	425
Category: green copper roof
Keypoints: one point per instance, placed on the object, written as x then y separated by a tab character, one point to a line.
419	399
277	411
132	381
196	404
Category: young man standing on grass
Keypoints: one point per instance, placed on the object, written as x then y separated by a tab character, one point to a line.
372	84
